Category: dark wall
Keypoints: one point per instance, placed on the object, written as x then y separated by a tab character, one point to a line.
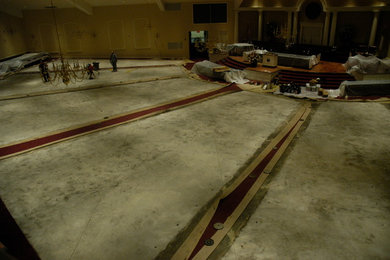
382	40
274	20
353	28
248	26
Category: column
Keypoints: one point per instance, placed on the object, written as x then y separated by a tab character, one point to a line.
260	24
374	27
236	26
295	27
289	16
326	29
388	51
333	29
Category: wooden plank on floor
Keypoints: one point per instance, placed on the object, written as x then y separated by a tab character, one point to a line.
276	148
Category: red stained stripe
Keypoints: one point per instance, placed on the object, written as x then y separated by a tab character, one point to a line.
46	140
227	205
329	80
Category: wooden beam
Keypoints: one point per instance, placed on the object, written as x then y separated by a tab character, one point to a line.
160	5
82	6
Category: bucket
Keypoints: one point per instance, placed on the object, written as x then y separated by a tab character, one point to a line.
95	65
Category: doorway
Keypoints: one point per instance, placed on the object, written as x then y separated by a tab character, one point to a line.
198	45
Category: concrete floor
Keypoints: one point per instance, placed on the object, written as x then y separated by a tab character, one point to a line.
330	198
105	63
126	192
55	112
31	83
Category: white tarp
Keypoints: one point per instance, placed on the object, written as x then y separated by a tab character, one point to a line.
206	68
367	65
237	49
246	54
20	62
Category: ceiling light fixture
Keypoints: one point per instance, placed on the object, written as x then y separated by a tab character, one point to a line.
64	72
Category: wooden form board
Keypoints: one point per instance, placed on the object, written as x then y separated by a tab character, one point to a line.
283	139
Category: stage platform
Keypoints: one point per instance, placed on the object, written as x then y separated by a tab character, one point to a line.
330	73
321	67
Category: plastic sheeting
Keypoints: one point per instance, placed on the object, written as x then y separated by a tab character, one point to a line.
237	49
20	62
367	65
206	68
246	54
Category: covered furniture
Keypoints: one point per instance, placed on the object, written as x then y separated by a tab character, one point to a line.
237	49
260	53
216	71
298	61
365	88
360	66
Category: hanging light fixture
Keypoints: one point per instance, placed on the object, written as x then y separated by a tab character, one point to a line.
64	72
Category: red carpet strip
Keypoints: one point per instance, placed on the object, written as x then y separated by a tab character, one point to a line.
189	65
24	146
328	80
235	199
229	62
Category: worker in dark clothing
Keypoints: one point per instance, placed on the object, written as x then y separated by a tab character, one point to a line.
90	71
44	71
113	60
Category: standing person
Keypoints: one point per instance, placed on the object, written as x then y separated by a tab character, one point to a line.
90	71
113	60
44	71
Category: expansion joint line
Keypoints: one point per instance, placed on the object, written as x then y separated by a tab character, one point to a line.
122	67
68	90
227	208
60	136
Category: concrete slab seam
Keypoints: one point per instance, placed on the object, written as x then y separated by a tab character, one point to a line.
67	90
125	67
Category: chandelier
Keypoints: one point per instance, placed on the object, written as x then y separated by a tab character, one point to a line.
63	71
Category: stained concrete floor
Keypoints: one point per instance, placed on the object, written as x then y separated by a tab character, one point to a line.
59	111
330	197
105	63
31	83
127	191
